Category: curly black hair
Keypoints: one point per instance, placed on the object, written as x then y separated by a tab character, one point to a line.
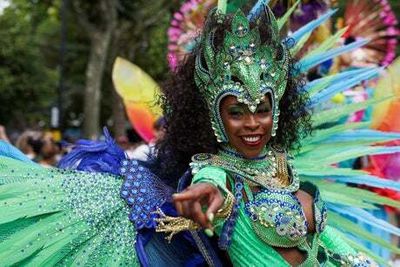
188	125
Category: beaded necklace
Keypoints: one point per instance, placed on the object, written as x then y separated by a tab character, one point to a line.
269	170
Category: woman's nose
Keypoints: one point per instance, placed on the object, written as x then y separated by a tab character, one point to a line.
252	122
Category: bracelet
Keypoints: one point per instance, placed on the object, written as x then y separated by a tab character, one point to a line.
226	209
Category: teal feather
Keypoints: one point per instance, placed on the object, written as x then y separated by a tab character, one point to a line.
320	135
332	115
343	194
341	86
382	262
317	85
347	139
366	217
305	168
309	27
308	63
328	43
284	19
352	228
9	151
363	134
334	154
368	180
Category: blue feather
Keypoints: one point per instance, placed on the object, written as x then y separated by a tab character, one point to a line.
10	151
97	156
366	179
342	85
256	10
309	62
309	27
334	78
365	217
363	134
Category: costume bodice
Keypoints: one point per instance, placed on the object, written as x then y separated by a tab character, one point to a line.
278	218
273	212
267	213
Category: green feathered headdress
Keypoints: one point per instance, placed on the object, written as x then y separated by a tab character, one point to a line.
243	65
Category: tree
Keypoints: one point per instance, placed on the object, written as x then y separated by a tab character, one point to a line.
99	19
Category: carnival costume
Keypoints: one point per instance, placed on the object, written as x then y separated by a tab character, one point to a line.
107	210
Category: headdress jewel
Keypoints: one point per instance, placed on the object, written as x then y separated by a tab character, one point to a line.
243	67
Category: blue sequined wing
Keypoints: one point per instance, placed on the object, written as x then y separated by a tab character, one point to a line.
144	193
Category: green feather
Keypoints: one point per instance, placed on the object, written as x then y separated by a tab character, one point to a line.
284	19
322	134
343	194
332	155
361	248
299	45
346	225
31	239
332	115
327	44
59	245
325	171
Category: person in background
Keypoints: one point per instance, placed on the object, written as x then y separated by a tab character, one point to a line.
144	151
29	142
49	151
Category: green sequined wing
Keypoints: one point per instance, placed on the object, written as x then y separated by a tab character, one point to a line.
52	217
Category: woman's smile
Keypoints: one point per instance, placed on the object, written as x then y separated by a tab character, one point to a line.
252	140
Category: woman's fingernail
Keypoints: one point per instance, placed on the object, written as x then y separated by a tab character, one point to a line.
209	232
210	217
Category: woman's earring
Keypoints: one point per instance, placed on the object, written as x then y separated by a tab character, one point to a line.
275	121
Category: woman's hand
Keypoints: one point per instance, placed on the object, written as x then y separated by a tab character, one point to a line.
189	203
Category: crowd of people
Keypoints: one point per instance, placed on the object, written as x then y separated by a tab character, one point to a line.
42	146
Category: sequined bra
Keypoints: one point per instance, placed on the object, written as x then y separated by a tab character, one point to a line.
278	218
276	215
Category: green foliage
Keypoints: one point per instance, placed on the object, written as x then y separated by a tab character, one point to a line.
154	49
27	82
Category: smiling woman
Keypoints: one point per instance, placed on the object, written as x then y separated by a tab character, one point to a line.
244	188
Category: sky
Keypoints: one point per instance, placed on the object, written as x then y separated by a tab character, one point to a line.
3	4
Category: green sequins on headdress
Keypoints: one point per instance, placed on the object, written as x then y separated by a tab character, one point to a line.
243	67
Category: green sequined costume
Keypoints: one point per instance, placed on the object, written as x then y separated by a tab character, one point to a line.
273	217
58	217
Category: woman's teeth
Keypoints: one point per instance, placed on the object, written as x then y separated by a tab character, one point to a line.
252	139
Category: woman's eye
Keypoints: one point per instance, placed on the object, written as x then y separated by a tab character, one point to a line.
263	110
236	112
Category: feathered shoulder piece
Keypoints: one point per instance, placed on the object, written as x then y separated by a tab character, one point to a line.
142	190
95	156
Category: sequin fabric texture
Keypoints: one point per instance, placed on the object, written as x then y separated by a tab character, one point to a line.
64	218
143	192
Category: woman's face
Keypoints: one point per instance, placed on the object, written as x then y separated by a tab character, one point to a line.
247	132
